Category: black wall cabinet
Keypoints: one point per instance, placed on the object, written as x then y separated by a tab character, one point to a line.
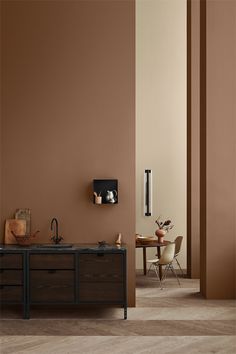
103	188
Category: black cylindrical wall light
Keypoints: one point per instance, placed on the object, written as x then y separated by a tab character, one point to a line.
147	192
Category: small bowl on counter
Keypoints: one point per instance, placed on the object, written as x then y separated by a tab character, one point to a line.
25	240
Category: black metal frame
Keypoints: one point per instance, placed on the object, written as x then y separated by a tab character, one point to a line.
147	201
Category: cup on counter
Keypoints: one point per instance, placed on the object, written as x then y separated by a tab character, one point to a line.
98	199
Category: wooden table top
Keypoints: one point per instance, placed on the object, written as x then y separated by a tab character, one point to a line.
151	244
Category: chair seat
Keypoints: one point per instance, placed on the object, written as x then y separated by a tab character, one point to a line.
153	260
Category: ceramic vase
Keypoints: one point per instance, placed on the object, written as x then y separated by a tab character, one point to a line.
160	235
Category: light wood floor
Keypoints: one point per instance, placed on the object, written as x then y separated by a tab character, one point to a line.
173	320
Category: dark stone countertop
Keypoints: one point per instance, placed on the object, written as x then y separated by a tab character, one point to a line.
80	247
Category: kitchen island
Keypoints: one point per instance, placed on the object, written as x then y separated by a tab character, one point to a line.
80	274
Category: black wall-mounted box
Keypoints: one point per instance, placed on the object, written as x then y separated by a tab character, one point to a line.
101	188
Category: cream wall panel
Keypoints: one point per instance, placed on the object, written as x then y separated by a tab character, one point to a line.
161	115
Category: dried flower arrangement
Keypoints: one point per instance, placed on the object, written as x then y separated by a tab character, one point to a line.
164	225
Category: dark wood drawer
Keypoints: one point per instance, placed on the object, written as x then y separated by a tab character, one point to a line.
11	277
11	293
52	285
101	292
101	267
11	260
52	261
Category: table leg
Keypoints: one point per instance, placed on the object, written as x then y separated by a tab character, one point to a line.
144	261
159	256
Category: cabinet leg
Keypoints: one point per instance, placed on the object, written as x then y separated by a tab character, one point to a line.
26	314
125	313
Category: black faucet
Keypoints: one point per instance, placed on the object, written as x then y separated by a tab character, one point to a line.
56	238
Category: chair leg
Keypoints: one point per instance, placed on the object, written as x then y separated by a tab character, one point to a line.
179	267
164	275
157	274
165	272
161	280
152	264
150	267
174	272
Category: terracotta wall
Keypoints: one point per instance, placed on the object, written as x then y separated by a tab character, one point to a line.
193	136
218	147
0	120
69	117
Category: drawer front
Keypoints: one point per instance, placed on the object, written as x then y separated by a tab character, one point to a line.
52	261
52	286
11	260
101	267
11	277
101	292
11	293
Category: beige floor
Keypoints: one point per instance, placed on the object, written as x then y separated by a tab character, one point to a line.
173	320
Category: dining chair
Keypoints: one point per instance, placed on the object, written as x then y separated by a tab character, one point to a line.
166	260
178	243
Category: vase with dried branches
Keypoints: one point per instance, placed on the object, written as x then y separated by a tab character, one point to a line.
163	228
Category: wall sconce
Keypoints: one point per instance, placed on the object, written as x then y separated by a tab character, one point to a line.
147	192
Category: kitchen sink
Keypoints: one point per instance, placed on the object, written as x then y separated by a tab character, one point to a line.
52	245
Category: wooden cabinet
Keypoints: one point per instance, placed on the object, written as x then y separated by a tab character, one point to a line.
11	294
101	277
52	278
78	276
11	261
12	283
52	286
52	261
94	292
11	277
101	267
